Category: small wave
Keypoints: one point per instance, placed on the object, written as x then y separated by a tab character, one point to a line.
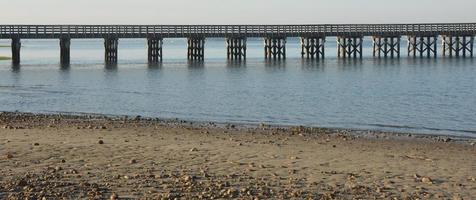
418	128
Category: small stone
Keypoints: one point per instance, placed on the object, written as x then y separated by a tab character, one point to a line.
36	144
426	180
63	161
232	192
193	149
100	142
9	156
187	178
103	127
114	196
133	161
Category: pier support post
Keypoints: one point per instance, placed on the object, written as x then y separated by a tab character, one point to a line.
459	45
386	46
312	47
236	48
196	48
154	50
422	45
110	45
275	48
348	47
65	44
16	46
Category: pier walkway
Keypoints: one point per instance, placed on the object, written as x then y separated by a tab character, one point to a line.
456	38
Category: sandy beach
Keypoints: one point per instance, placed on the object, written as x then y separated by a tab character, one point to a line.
96	157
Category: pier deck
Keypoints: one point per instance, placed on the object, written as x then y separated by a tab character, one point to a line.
458	38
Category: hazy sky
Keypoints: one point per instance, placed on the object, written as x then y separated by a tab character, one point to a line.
234	11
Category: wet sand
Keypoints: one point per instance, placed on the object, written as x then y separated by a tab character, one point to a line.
100	157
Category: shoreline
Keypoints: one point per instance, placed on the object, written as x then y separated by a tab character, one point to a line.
101	157
366	133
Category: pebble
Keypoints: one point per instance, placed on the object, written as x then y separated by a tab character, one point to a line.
101	142
193	149
9	156
36	144
114	196
133	161
426	180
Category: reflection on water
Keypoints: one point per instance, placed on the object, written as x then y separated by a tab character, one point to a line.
406	94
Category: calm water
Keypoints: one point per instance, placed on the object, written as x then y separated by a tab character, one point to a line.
436	96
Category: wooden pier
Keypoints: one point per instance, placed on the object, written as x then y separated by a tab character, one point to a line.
456	39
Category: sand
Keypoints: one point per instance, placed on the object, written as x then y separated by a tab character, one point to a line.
97	157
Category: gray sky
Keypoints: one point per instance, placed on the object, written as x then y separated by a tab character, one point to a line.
234	11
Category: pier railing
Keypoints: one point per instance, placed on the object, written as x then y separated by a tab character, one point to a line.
173	31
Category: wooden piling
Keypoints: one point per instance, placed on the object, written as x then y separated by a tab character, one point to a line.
422	45
389	47
275	48
196	48
236	48
349	47
154	50
16	47
65	44
111	47
312	47
457	45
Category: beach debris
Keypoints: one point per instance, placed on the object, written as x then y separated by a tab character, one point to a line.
418	157
8	127
443	139
423	179
187	178
114	196
100	142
